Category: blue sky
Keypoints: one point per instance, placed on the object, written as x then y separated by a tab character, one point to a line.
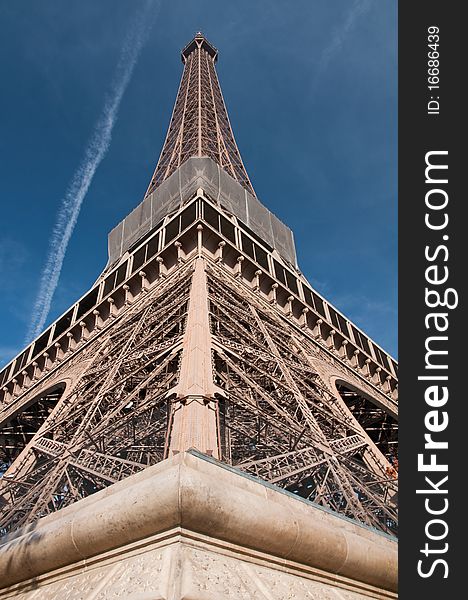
311	90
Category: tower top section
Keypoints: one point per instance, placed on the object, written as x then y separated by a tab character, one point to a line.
200	124
199	41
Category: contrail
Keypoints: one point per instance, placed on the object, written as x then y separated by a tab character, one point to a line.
96	149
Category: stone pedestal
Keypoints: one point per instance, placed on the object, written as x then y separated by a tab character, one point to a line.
192	528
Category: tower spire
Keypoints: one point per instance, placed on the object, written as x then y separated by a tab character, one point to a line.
200	124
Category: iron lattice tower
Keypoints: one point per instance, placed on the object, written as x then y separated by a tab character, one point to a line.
200	333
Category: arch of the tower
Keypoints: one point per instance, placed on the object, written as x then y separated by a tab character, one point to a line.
18	431
378	422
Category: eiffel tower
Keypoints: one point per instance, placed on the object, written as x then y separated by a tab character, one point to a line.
200	333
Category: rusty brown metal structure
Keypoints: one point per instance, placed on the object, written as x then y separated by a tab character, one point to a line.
202	333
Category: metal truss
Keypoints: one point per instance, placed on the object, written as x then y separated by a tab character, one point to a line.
200	124
276	418
112	422
279	422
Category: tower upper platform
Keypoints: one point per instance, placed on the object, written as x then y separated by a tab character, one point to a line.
199	41
221	187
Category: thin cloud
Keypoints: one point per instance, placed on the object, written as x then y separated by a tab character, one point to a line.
340	35
96	149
